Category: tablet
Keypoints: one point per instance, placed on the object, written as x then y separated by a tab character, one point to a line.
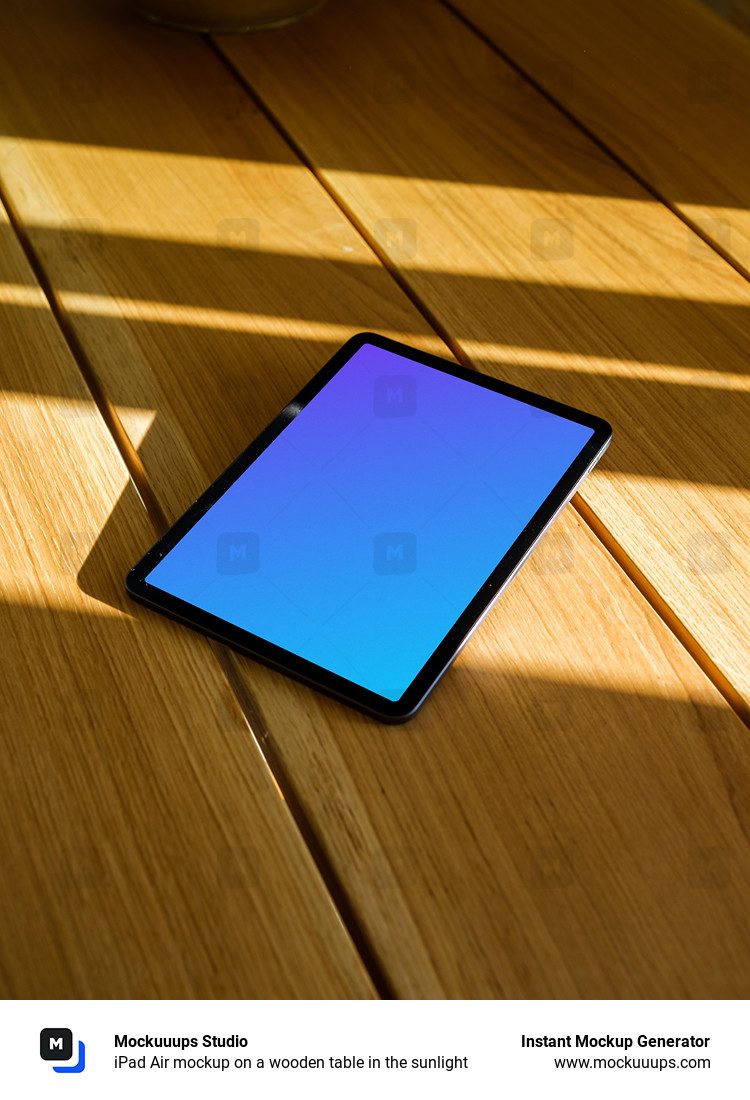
361	538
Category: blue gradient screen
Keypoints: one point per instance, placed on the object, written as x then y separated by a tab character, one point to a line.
361	534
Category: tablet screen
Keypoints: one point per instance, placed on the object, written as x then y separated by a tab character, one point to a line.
358	537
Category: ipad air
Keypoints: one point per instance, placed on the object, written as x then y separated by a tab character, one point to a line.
357	543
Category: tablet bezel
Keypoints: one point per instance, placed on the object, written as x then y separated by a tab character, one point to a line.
445	652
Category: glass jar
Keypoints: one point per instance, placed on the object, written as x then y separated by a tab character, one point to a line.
225	16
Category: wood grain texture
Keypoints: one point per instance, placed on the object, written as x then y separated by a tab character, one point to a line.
666	86
547	265
568	815
146	851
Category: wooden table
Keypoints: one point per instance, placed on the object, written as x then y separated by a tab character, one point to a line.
553	192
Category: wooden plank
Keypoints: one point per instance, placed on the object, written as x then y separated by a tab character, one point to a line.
666	86
146	851
548	265
567	816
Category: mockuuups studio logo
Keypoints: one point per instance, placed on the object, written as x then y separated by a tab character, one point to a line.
551	239
395	552
395	395
397	237
56	1045
237	552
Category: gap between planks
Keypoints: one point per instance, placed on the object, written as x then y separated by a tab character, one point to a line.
602	145
674	624
245	701
243	695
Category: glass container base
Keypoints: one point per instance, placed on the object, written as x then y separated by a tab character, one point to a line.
238	17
